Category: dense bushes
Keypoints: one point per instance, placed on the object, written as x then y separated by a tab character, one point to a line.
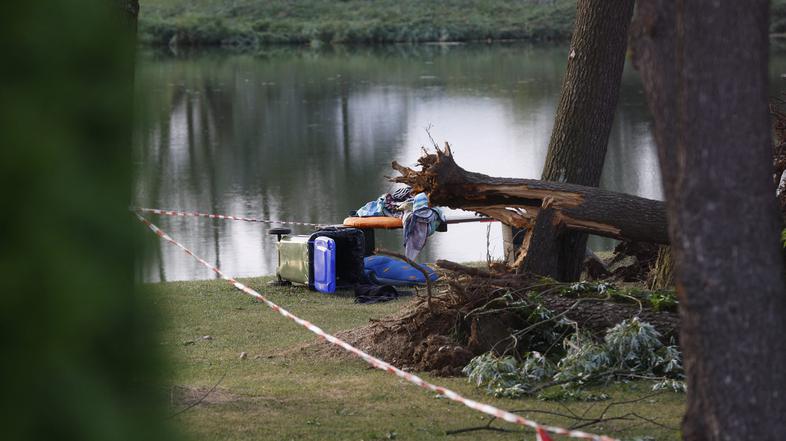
251	22
232	22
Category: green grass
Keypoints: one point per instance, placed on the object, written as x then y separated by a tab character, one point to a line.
282	392
248	22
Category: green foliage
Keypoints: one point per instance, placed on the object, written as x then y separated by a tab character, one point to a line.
657	300
506	376
662	300
671	384
79	360
244	22
583	359
501	376
536	367
632	347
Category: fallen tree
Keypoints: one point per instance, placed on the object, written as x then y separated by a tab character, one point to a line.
494	311
521	202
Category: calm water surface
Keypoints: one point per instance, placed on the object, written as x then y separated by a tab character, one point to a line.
308	135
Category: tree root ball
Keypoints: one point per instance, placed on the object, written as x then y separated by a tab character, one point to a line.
444	338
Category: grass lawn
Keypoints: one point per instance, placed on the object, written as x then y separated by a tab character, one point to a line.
282	392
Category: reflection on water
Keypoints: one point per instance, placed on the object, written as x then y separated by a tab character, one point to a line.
309	135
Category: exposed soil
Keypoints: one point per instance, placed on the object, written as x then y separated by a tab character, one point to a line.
414	339
443	340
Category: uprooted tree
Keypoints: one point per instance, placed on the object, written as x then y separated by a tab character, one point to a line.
533	204
481	320
476	310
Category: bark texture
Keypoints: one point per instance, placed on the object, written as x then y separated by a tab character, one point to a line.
662	276
704	66
517	202
585	114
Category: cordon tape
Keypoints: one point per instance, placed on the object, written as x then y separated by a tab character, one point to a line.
161	212
541	431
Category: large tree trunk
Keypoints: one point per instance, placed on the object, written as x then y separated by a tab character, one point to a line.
585	114
704	66
518	202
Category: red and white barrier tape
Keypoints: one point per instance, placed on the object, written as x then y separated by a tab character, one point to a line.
222	216
176	213
540	430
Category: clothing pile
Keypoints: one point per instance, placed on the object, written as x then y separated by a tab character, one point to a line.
389	204
378	293
420	221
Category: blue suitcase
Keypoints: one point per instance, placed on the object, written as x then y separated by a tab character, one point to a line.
324	264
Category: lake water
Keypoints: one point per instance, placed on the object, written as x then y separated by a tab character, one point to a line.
308	135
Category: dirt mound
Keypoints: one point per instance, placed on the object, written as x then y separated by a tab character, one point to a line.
440	340
414	339
440	354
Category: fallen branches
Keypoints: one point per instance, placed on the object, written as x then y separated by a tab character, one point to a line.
594	317
413	264
200	400
583	420
476	310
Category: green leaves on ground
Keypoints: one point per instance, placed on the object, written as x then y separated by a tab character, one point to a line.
658	300
631	349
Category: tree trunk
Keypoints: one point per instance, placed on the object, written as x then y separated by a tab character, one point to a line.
585	114
517	202
662	276
704	66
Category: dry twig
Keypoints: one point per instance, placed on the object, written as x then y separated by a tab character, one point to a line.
415	265
580	421
200	400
